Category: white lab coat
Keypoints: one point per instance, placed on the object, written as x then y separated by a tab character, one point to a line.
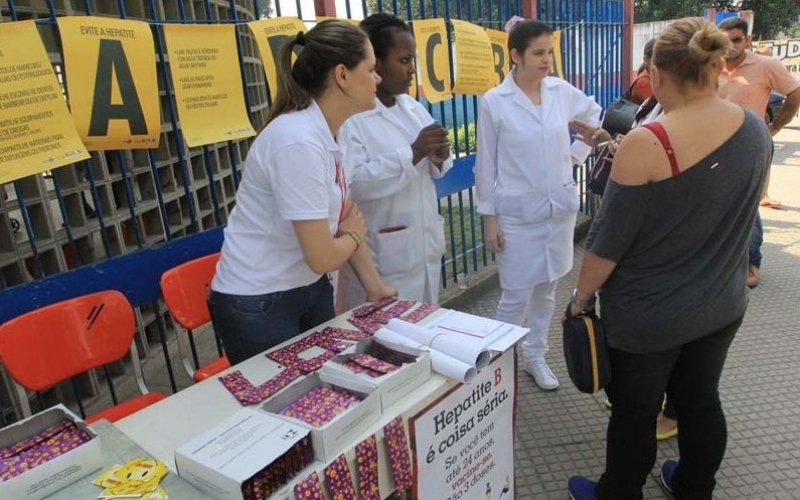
523	174
393	193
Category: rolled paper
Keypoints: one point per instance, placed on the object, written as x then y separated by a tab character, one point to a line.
455	345
448	366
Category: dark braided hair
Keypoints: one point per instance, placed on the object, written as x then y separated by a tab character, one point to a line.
381	28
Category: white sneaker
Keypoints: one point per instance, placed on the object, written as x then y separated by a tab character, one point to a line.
541	373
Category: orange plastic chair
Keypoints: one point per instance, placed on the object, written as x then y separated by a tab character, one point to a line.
53	344
185	289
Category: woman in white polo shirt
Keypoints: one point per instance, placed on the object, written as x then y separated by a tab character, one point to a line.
293	221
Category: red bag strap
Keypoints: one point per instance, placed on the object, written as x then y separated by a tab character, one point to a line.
658	130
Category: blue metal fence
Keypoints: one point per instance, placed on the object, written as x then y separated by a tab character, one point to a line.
112	220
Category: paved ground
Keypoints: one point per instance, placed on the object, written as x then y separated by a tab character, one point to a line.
562	433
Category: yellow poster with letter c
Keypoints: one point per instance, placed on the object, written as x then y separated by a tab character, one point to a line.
111	81
433	54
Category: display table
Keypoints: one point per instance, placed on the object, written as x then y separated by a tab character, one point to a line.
165	426
117	448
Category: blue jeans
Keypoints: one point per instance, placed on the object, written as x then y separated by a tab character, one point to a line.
756	239
251	324
690	376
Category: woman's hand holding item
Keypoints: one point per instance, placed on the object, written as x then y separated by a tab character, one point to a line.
430	142
493	234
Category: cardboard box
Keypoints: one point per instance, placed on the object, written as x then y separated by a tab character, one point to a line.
341	432
392	387
220	460
57	473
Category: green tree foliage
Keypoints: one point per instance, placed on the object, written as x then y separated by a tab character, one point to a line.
771	16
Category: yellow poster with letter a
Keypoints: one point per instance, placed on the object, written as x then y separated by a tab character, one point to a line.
473	59
111	81
500	59
433	54
208	83
36	131
270	35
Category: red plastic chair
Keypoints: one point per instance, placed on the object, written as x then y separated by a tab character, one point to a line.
185	289
53	344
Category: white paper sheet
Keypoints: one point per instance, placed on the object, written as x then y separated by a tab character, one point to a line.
462	347
440	362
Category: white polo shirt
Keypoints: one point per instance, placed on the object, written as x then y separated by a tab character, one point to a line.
290	174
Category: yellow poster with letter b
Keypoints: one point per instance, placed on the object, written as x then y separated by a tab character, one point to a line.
111	81
36	131
208	83
500	59
433	54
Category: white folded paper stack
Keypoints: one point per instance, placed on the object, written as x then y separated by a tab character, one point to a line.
459	343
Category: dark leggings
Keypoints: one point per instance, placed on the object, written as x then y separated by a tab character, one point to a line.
690	375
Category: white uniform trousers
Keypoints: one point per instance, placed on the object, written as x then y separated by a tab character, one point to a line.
531	307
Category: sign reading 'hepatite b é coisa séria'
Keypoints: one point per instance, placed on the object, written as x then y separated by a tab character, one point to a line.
464	443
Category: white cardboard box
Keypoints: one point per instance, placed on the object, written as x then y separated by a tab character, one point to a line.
221	459
392	386
335	436
57	473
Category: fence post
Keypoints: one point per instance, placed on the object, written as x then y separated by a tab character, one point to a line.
529	9
627	34
326	8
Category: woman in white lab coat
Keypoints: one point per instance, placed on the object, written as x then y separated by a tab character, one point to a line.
395	151
294	222
525	186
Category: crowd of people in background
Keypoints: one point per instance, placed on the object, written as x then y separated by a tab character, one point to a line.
341	180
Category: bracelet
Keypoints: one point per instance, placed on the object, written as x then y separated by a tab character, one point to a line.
356	239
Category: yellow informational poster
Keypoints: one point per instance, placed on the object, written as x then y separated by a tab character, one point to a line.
270	35
501	61
208	83
557	69
111	81
473	59
433	53
786	51
36	131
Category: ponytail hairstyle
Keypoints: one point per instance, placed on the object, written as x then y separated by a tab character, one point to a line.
691	51
322	48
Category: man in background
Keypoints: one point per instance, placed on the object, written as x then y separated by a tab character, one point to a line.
747	80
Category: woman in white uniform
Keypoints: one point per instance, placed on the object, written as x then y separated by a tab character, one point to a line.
397	149
293	221
526	190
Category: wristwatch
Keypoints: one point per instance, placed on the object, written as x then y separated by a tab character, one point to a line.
582	304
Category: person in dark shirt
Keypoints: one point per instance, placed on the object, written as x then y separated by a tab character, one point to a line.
668	254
